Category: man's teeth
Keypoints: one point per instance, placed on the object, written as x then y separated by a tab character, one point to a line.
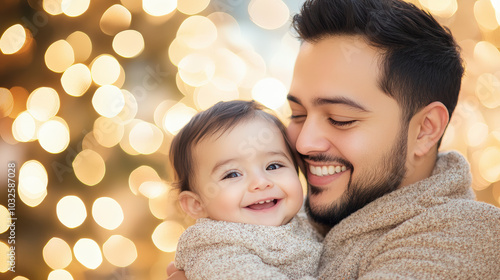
326	170
264	201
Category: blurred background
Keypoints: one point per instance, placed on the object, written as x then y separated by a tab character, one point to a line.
92	92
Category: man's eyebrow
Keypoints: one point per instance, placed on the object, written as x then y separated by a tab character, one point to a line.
293	99
340	100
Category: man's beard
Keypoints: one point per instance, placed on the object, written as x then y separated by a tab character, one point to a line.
366	190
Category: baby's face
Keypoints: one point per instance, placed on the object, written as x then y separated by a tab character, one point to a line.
247	175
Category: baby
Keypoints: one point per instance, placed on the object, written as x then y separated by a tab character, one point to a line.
237	175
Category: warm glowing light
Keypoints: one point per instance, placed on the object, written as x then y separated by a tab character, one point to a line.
255	68
440	8
197	32
115	19
159	7
76	80
105	70
88	253
269	14
43	103
178	50
108	101
71	211
178	116
4	219
4	257
74	8
166	235
24	127
57	253
489	164
128	43
13	39
485	14
125	142
496	5
6	102
145	138
140	175
153	189
213	92
108	132
20	278
488	90
130	109
119	251
31	201
59	274
477	134
52	7
107	213
196	69
487	55
270	92
89	167
33	179
20	96
59	56
229	66
81	44
191	7
53	135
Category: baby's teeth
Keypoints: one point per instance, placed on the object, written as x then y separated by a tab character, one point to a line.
344	168
331	170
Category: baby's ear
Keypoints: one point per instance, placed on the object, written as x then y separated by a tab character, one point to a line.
192	204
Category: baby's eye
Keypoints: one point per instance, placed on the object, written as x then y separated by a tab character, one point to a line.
274	166
232	174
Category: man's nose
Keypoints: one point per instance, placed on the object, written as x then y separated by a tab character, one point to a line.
312	138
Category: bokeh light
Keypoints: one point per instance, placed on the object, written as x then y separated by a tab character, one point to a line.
33	181
145	138
43	103
197	32
115	19
13	39
59	56
107	213
128	43
159	7
270	92
71	211
178	116
57	253
24	127
52	7
269	14
4	219
6	102
108	101
74	8
191	7
119	251
53	135
140	175
88	253
81	44
105	70
166	235
76	80
89	167
4	257
60	274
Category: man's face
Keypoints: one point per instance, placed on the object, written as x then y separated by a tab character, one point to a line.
348	131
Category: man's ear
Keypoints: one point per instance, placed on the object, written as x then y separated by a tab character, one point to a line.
191	204
433	120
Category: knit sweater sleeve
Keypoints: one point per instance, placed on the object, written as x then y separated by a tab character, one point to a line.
457	240
220	250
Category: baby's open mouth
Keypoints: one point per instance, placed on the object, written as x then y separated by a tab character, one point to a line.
263	204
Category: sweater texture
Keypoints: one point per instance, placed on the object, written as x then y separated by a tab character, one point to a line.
432	229
224	250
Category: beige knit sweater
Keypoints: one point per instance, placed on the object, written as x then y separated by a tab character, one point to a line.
432	229
223	250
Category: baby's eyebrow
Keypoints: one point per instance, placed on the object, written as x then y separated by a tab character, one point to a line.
221	163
